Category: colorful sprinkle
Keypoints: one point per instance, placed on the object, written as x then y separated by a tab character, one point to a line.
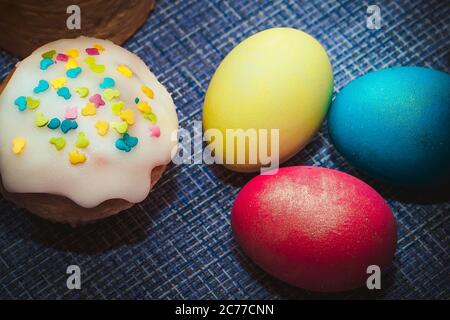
58	82
110	94
82	91
154	131
49	54
136	100
41	87
18	144
97	100
40	120
73	73
82	141
62	57
21	103
97	68
147	91
126	143
71	113
120	127
89	60
58	142
144	107
33	103
102	127
92	51
117	107
64	92
127	116
107	83
73	53
76	157
45	63
125	71
151	117
71	64
54	123
99	47
89	109
68	125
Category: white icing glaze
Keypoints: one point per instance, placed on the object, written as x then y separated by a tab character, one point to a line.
108	173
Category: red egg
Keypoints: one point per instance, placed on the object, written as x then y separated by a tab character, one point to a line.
314	228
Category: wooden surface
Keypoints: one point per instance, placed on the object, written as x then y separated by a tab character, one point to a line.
27	24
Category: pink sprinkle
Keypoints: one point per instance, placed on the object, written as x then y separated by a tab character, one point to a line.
97	100
71	113
62	57
154	131
92	51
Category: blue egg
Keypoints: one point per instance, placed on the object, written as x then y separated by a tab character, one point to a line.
394	125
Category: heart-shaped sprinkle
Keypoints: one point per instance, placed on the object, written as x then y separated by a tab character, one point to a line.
73	53
120	127
121	145
97	100
40	120
130	140
144	107
41	87
102	127
58	82
62	57
82	91
110	94
45	63
82	140
151	117
54	123
71	113
73	73
107	83
99	47
71	64
89	109
68	125
64	92
76	157
117	107
124	71
154	131
32	103
58	142
127	116
18	144
49	54
147	91
92	51
21	103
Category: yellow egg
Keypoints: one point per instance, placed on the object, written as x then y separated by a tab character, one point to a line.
280	78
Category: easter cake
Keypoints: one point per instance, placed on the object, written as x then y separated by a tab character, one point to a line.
86	130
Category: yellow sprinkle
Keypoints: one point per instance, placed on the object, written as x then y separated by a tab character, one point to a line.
148	92
71	63
125	71
58	82
99	47
117	107
127	116
82	141
89	109
110	94
150	117
120	127
144	107
102	127
18	145
73	53
76	157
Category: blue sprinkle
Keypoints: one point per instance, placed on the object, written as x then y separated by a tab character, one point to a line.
130	140
41	87
136	100
73	73
107	83
45	63
21	102
64	92
121	145
54	123
68	125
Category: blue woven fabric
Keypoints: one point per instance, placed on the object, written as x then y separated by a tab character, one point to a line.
178	243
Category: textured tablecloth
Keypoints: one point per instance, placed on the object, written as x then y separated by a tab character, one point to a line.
178	243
